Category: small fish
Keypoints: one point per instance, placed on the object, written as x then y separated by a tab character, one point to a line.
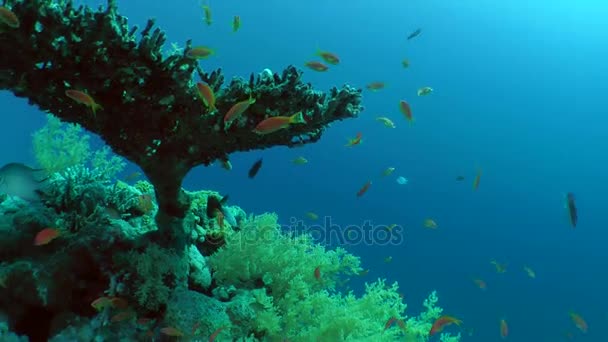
391	227
206	94
318	273
236	23
364	189
390	322
101	303
476	180
500	268
215	334
414	34
386	121
200	52
460	178
300	161
402	180
20	180
316	66
375	86
405	63
133	176
207	15
328	57
504	329
255	168
171	331
45	236
388	171
215	205
145	203
237	110
442	322
571	206
363	273
355	141
480	283
579	322
424	91
83	98
530	272
276	123
430	224
226	164
406	110
123	316
8	18
388	259
312	216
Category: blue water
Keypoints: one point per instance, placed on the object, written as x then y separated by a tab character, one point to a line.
519	92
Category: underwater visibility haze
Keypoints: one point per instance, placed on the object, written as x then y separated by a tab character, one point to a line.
303	170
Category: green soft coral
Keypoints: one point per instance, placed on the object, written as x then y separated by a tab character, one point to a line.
291	303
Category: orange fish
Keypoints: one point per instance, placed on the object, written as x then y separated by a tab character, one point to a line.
144	203
375	86
219	216
442	322
215	334
276	123
316	66
480	283
101	303
171	331
579	322
355	141
328	57
390	322
199	52
122	316
476	180
430	223
405	108
119	303
83	98
237	110
364	189
206	94
45	236
504	329
8	18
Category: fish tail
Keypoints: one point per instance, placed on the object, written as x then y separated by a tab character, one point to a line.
297	118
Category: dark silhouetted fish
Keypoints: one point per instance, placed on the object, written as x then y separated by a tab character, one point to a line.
571	206
460	178
214	204
414	34
20	180
255	168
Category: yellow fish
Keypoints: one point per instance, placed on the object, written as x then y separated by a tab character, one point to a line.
388	171
300	161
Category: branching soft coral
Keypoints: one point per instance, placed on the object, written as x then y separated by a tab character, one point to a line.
290	302
261	252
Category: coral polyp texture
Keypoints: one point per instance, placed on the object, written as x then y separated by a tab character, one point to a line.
150	111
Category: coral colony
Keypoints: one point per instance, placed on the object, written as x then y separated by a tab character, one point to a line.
87	257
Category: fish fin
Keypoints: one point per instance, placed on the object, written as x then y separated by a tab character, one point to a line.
224	200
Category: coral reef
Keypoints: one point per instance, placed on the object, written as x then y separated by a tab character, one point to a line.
126	265
151	113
